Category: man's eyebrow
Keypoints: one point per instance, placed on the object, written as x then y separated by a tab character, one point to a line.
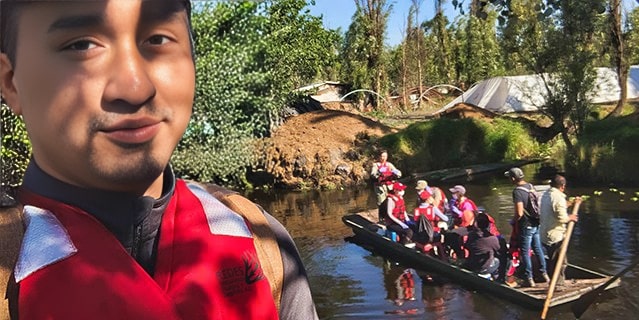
76	22
161	12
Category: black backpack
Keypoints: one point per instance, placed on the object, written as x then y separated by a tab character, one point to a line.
533	203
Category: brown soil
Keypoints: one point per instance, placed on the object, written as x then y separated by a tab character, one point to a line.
322	149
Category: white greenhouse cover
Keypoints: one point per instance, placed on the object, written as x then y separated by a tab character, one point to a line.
527	93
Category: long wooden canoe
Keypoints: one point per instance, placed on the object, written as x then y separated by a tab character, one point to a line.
578	280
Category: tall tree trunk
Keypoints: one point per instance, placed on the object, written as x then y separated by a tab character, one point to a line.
418	36
620	60
404	80
441	39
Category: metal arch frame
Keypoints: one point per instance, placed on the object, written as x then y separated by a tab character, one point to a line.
364	90
443	85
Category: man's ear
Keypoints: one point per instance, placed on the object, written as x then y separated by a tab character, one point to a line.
8	89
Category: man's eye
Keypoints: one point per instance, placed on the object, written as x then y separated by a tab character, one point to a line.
157	40
81	45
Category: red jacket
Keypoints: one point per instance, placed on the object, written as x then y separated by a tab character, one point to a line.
429	214
399	211
72	267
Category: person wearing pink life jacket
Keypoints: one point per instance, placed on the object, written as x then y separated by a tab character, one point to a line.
385	174
106	91
463	211
395	216
464	208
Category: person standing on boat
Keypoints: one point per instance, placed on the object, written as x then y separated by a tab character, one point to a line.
395	216
527	227
385	175
554	217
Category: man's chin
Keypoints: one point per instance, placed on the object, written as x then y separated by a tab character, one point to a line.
132	175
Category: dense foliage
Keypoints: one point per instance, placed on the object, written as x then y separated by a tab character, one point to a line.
15	150
606	151
447	143
250	56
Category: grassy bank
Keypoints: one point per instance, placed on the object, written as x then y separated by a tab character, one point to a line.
607	152
448	143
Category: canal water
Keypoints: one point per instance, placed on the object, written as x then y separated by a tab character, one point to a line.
349	282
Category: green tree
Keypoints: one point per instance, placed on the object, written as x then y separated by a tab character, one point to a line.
631	36
570	57
15	149
299	49
523	30
476	49
620	60
250	55
363	51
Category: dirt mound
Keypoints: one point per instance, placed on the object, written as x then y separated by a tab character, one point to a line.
321	149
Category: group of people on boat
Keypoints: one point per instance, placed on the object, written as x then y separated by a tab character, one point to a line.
455	229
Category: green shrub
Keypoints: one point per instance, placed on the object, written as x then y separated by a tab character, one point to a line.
16	149
606	150
448	143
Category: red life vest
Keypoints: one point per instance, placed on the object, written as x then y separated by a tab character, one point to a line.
399	211
429	214
71	267
385	173
407	286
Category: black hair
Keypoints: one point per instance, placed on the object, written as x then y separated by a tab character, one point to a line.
482	221
10	12
558	181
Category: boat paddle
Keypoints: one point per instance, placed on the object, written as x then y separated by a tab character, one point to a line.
560	261
581	305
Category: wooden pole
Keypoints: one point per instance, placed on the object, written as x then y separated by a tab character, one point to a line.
560	261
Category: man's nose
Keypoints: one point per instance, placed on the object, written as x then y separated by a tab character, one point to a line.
130	80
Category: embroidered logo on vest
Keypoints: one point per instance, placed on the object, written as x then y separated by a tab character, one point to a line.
237	280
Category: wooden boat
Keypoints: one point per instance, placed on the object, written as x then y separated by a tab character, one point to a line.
578	280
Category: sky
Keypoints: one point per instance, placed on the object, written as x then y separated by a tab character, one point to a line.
338	13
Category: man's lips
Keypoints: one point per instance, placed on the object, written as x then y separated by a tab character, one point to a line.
133	131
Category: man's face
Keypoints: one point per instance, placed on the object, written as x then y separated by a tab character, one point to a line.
105	88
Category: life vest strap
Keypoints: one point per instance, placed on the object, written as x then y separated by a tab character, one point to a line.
268	250
10	241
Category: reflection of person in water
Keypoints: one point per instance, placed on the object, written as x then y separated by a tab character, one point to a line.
399	284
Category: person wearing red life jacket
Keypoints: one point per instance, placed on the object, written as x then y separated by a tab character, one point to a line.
106	90
435	195
427	230
430	212
395	216
385	175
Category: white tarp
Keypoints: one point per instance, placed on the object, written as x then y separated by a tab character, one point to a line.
528	93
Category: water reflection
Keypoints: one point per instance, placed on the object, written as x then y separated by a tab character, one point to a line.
349	282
